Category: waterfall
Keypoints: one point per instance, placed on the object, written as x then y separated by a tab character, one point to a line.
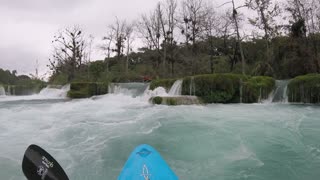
192	91
55	91
8	90
2	91
260	95
131	89
241	91
176	88
280	94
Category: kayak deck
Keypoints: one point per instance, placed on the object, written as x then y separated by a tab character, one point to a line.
145	163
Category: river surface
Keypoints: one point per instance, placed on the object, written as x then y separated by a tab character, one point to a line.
92	138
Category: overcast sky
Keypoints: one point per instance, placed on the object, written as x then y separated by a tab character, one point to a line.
28	26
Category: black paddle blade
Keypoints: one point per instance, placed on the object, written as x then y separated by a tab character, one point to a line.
37	164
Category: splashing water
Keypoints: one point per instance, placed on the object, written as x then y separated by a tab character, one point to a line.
50	92
92	138
280	93
2	91
176	88
46	93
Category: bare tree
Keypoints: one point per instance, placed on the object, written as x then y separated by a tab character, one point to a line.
236	20
106	46
69	51
157	30
267	12
211	26
129	39
304	17
169	24
193	12
119	37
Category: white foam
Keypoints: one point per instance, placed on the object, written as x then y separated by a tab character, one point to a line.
2	91
46	93
176	88
50	92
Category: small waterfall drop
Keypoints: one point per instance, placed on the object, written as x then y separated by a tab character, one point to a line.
55	91
8	90
280	94
176	88
130	89
192	91
2	91
241	91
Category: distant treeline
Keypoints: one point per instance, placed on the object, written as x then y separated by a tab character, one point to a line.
192	37
11	78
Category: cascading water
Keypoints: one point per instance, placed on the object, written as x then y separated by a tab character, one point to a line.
280	93
132	89
91	138
2	91
47	93
192	89
9	90
55	92
176	88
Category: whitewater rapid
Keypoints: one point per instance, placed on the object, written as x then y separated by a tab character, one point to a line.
92	138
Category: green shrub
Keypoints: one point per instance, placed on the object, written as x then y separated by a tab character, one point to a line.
157	100
213	88
305	89
59	79
166	83
257	88
87	89
225	88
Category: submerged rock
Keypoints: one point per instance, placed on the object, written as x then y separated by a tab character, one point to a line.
175	100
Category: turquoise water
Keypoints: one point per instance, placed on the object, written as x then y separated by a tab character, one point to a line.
92	138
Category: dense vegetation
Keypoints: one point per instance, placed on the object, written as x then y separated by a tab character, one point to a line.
192	37
19	84
225	88
85	90
305	89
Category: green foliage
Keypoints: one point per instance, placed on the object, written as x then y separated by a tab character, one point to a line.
157	100
20	85
96	68
257	88
225	88
166	83
87	89
59	79
213	88
305	89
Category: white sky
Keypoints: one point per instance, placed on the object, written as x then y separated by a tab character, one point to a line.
28	26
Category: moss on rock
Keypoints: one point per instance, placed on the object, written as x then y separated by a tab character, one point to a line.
87	89
23	90
257	88
175	100
304	89
157	100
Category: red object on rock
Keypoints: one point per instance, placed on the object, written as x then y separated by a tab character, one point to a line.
147	78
